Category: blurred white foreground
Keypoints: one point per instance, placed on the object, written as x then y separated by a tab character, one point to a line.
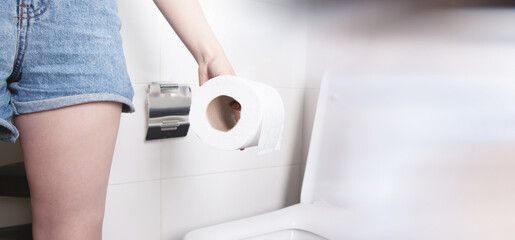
414	135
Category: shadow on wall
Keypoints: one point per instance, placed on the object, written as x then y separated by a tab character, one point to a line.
15	217
10	153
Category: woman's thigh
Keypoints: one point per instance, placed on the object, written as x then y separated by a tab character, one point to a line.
68	154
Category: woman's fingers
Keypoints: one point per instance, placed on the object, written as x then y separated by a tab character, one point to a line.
237	112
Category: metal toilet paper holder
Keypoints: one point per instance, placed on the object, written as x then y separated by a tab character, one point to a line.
168	110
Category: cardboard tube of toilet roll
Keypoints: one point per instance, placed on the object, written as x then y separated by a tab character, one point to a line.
261	119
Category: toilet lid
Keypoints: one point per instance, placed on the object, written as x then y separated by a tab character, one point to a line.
390	142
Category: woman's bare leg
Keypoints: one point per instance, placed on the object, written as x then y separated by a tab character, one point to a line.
68	155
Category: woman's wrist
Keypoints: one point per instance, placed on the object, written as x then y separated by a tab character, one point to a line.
214	66
208	55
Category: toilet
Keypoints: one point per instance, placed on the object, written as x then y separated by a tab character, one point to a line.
400	157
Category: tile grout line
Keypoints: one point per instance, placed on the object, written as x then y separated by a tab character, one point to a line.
233	171
134	182
160	191
286	88
160	62
205	174
160	142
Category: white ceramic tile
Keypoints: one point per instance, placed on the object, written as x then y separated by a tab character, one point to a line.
10	153
310	105
177	63
141	21
190	156
262	49
193	202
264	42
315	62
133	211
301	176
135	159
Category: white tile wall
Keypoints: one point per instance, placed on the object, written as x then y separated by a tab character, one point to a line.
133	211
162	189
135	159
264	41
177	64
141	22
193	202
310	104
316	60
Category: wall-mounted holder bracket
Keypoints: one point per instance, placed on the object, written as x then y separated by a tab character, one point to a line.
168	110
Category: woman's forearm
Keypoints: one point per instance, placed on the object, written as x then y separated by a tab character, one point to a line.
188	21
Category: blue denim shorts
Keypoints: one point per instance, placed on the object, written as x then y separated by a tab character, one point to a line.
58	53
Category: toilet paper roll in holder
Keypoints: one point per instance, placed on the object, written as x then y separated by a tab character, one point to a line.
168	110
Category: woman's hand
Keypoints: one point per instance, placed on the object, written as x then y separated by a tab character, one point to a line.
213	68
237	113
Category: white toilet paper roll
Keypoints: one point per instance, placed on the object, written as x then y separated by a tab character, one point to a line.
261	121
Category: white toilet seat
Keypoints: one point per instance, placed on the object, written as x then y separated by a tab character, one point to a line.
301	221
